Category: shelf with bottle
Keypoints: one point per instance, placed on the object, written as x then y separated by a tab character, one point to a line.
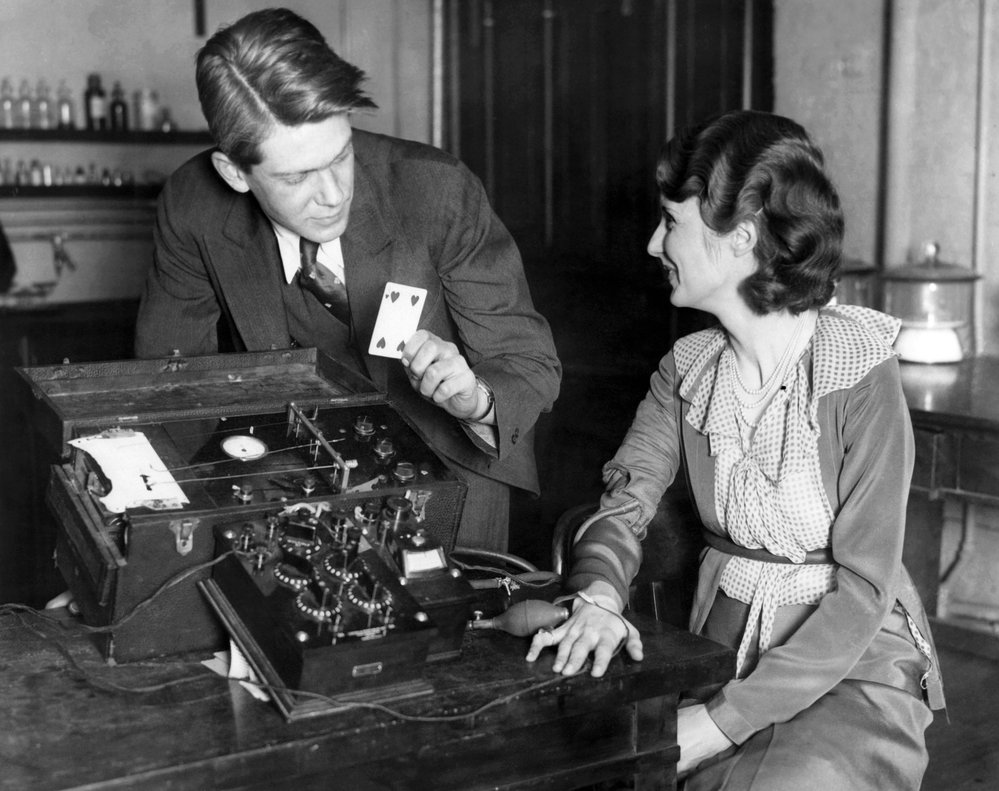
33	113
133	191
127	137
139	144
36	178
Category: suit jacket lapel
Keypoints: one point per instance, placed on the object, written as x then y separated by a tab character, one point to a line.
248	266
369	246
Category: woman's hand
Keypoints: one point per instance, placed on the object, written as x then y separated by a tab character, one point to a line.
593	628
698	736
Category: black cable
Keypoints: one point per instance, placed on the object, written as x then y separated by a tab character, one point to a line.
524	578
20	611
142	605
130	614
107	686
396	714
493	555
340	704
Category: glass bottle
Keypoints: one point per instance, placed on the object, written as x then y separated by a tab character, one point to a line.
119	109
43	106
95	103
147	110
35	173
25	106
65	109
138	116
166	121
7	103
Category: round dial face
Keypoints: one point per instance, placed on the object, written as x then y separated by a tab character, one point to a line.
244	447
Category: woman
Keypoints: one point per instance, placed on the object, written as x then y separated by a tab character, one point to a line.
790	422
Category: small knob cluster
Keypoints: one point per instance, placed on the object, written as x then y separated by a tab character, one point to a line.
320	611
308	562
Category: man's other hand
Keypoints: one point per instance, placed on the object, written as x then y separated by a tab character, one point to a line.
438	372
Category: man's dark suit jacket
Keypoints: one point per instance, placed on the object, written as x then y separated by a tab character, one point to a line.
418	217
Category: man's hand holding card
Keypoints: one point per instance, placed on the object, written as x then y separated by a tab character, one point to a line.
434	366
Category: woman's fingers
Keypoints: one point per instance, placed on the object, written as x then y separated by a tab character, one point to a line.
542	639
590	631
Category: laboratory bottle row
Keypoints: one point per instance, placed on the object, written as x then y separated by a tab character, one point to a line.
37	107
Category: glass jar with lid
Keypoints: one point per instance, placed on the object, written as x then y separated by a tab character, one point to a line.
934	300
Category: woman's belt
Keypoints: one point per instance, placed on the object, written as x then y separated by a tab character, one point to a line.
722	544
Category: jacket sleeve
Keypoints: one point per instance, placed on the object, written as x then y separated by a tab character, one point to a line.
506	341
867	430
179	308
610	549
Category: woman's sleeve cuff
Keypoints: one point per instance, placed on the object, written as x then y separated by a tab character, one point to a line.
729	721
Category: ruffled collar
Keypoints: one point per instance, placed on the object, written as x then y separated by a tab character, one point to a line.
847	343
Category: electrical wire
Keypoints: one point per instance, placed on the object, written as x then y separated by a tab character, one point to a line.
607	512
529	579
339	704
493	555
165	586
21	610
129	614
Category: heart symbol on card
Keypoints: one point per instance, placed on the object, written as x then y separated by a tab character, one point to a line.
381	344
395	295
401	346
414	299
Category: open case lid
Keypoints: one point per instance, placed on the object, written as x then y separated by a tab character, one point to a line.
60	400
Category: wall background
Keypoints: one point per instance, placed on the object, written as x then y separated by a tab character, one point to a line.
901	95
152	44
828	75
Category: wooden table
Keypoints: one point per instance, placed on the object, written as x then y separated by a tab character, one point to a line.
955	417
64	727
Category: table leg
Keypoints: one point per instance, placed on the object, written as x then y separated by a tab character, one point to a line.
656	741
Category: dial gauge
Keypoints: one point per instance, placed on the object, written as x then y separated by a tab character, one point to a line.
244	447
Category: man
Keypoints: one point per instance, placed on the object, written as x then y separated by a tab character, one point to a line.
289	174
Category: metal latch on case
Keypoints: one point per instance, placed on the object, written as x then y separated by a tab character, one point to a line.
183	532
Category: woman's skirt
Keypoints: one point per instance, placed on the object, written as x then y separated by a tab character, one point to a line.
859	735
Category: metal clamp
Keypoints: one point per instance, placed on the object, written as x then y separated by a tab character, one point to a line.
183	531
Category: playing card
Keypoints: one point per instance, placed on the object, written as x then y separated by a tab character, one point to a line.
398	318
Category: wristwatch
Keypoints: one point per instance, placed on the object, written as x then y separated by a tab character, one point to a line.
483	386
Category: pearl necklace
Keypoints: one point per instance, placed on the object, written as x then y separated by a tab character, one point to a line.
746	395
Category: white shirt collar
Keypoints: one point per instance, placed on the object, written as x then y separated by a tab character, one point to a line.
330	253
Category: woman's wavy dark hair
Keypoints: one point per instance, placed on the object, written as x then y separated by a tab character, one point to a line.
763	168
271	67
